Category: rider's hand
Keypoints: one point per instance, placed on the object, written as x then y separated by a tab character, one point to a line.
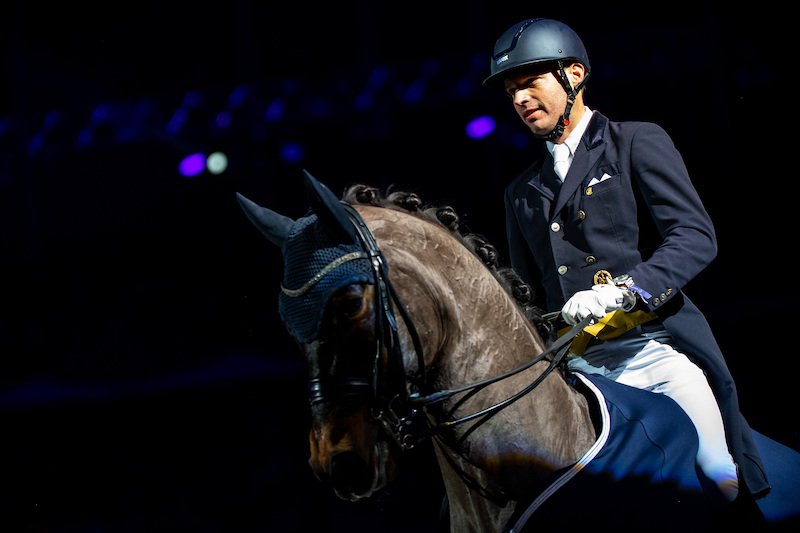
598	301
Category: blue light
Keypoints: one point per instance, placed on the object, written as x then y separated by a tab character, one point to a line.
192	165
238	97
480	127
415	92
36	144
101	114
192	98
177	121
291	153
377	79
51	120
224	119
85	138
275	110
363	101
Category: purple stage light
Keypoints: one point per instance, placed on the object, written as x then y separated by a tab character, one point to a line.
192	165
480	127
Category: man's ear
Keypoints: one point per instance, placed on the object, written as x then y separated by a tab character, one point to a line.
577	72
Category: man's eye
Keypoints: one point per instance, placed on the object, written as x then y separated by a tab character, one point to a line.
527	84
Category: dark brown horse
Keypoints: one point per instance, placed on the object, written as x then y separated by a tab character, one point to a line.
412	331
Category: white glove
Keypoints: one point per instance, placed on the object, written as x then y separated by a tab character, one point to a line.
600	300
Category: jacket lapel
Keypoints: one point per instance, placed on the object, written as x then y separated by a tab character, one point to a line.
537	180
588	152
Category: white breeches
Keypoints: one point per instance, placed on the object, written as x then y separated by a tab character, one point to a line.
648	362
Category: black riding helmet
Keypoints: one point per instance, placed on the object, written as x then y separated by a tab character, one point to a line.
539	42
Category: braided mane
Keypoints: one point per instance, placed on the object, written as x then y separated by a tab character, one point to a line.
477	244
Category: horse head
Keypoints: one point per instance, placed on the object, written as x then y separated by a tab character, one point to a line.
333	303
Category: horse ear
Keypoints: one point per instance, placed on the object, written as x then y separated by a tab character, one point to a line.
329	209
273	225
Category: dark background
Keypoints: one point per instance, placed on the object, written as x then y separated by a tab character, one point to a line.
146	381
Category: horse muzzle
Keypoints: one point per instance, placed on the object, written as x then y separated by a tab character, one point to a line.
354	479
355	461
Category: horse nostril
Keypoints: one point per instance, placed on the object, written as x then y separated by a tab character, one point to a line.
350	475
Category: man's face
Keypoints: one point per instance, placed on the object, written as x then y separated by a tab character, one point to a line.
539	99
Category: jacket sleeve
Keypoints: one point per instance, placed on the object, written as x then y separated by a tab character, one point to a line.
688	239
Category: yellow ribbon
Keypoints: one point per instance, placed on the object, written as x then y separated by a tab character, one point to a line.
612	325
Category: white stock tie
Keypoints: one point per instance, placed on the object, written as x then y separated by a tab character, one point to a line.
561	156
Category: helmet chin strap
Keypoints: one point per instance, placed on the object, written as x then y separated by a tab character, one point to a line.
572	94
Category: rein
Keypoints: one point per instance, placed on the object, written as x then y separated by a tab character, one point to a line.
559	348
495	495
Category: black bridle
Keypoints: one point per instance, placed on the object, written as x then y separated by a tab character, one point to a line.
398	415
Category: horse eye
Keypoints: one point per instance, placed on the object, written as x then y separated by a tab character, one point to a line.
350	306
348	301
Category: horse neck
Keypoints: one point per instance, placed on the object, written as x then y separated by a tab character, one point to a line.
469	510
471	329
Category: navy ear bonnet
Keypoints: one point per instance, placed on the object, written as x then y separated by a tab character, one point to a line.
315	266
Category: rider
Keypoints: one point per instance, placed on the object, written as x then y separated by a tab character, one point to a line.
618	236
